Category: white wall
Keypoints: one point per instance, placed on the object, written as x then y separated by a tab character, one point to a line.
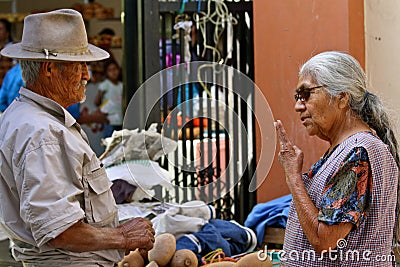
382	36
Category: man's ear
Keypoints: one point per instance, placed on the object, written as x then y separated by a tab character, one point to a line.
47	68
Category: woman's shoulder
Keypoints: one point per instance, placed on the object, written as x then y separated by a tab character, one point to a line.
370	142
365	137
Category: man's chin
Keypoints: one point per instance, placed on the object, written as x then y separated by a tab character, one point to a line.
82	91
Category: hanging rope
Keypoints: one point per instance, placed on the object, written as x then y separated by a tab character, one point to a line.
219	18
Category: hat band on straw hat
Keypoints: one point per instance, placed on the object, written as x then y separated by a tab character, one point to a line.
47	52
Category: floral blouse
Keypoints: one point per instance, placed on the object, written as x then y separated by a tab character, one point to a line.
347	194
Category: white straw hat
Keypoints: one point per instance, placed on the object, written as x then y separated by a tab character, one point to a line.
58	35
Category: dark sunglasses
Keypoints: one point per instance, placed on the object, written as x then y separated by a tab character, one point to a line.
303	94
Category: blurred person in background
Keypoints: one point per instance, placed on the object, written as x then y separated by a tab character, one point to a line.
109	97
5	40
5	33
10	87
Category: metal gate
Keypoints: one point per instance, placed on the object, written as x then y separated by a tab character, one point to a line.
214	126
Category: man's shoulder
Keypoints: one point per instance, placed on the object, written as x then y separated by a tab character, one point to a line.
23	119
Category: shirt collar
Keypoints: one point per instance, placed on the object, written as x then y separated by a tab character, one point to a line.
50	105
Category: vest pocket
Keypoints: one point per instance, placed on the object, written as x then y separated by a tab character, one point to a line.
100	205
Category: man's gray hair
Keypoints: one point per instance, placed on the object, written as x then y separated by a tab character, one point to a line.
30	70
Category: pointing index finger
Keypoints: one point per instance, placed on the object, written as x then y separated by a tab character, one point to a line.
283	137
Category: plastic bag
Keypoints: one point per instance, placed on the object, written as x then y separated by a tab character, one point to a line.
126	145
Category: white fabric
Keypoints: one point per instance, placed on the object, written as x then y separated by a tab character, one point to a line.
187	218
176	224
144	174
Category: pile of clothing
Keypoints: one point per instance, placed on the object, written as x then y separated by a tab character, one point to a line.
195	228
273	213
131	163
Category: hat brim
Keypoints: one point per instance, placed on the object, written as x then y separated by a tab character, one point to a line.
15	51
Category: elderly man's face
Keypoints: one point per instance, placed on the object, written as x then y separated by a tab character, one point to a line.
71	82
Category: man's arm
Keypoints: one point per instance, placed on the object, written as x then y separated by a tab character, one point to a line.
82	237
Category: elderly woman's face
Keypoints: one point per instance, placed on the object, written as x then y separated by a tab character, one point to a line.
319	113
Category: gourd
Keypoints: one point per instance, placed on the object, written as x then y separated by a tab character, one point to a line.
184	258
133	259
223	264
163	249
252	259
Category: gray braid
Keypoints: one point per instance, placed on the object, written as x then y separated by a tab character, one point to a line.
374	115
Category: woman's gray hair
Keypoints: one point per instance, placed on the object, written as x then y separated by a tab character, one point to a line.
341	73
